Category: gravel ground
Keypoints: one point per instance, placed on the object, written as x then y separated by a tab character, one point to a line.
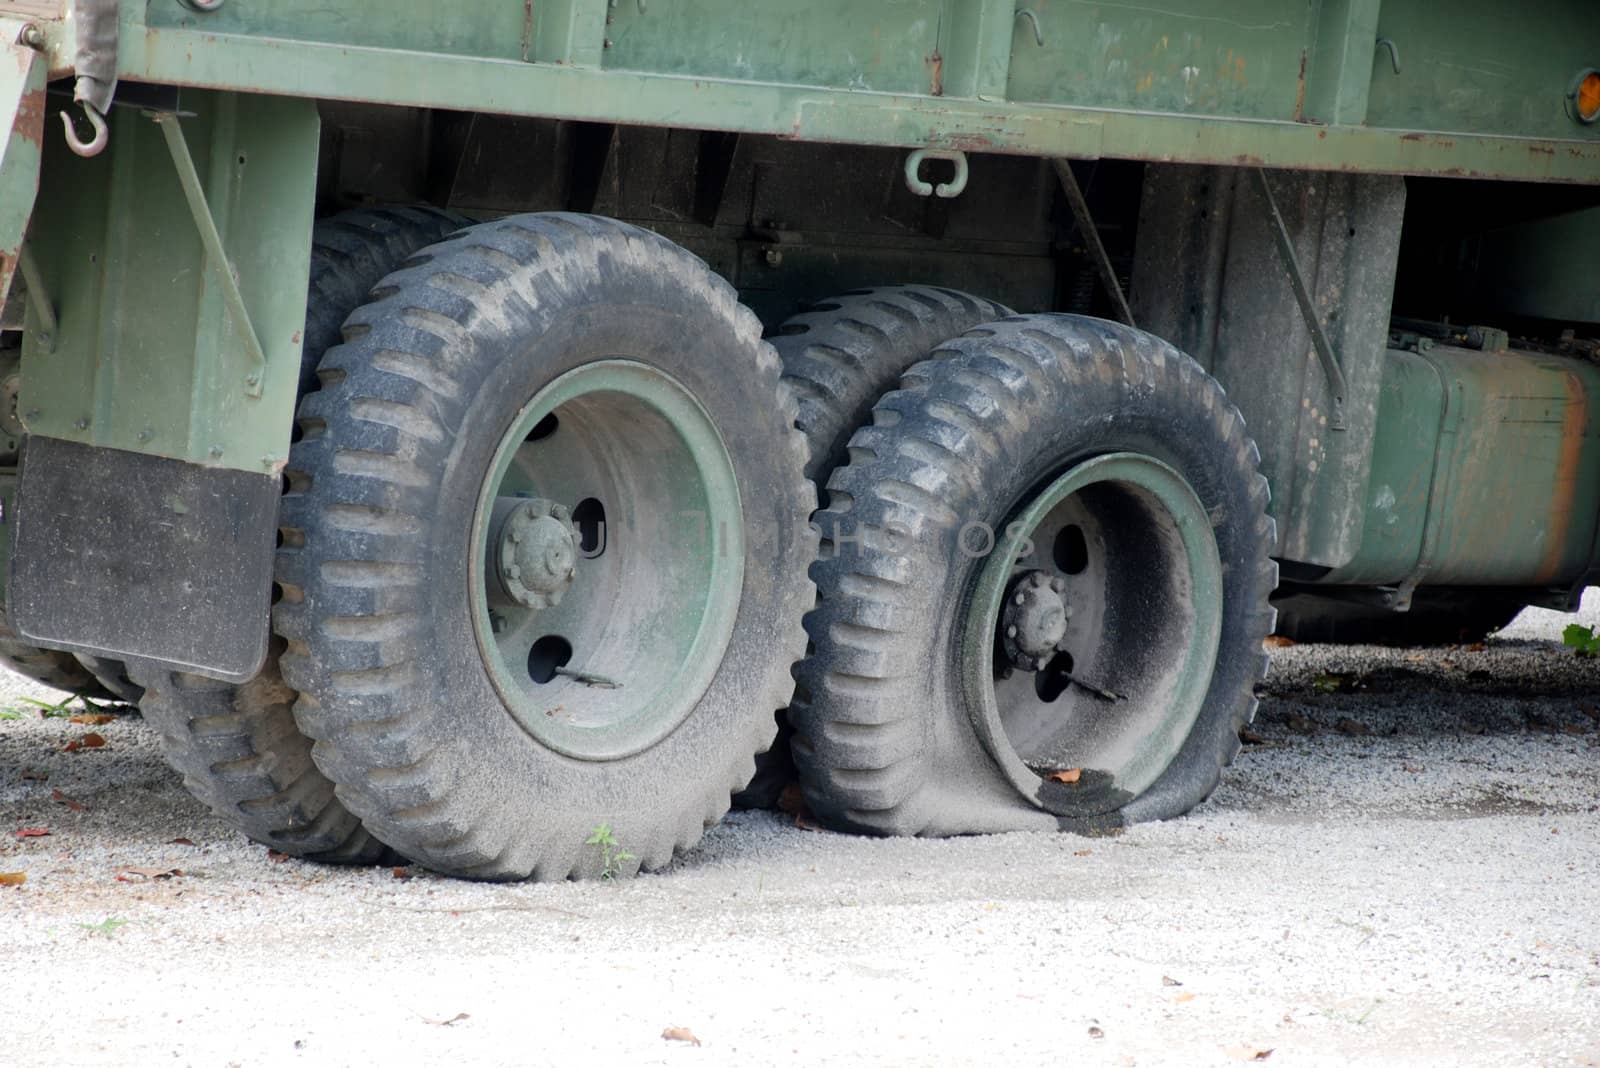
1420	885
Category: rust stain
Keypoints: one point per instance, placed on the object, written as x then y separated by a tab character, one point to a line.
1565	483
936	79
967	142
30	117
1300	91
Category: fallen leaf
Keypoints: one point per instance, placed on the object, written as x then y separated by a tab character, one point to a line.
1248	1053
92	719
401	873
1346	725
1081	852
1278	641
1068	776
792	799
276	857
1475	647
13	878
1327	683
140	875
447	1023
1187	995
1302	724
1573	728
32	832
1412	768
72	803
1167	980
1250	737
1095	1032
88	741
804	822
1415	658
680	1034
180	841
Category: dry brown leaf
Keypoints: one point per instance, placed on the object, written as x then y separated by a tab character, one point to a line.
180	841
276	857
141	875
1250	737
1573	728
1302	724
680	1034
401	873
1248	1053
792	799
1081	852
447	1023
1095	1032
1067	775
92	719
1167	980
62	799
1278	641
1346	725
31	832
13	878
1475	647
88	741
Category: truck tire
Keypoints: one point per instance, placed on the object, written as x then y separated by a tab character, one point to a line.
502	686
237	747
52	667
241	755
1437	617
957	687
839	355
350	253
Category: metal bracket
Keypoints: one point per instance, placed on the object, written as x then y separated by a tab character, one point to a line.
945	190
39	297
195	193
1308	309
1091	237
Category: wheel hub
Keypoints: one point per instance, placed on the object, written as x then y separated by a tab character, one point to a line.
538	553
1035	620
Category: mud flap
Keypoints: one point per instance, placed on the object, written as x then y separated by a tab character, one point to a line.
22	81
130	556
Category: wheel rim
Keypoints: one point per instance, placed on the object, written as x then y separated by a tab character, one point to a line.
1125	651
603	640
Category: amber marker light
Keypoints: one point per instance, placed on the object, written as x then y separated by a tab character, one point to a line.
1583	99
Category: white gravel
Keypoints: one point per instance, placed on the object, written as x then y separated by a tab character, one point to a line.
1427	892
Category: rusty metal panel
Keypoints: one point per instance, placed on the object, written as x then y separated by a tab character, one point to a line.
22	82
1486	471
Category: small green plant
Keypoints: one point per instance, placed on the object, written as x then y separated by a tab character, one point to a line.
612	855
10	713
106	928
1581	638
60	710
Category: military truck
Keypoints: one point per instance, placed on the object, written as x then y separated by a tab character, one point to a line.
472	432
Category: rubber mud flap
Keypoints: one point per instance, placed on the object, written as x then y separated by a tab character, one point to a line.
125	555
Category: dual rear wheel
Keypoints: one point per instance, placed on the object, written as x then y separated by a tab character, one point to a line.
548	558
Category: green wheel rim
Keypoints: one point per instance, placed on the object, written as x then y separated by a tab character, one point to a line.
641	624
1131	547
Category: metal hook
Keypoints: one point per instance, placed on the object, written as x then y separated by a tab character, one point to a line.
1038	34
1394	52
97	121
